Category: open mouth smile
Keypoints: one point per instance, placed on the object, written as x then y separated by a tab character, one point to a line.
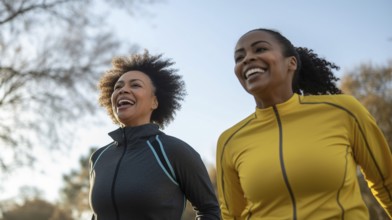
253	71
123	103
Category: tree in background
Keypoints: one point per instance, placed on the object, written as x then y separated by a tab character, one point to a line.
372	86
30	205
36	209
74	196
52	54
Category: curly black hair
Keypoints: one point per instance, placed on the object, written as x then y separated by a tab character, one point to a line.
314	75
169	86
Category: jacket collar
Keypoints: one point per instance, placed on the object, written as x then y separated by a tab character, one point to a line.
132	134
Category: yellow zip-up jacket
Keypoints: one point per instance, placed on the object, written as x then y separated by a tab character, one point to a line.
298	160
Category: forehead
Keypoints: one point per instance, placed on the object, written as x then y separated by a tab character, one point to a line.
134	74
255	36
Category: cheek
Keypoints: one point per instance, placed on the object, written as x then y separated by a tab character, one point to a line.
238	73
112	99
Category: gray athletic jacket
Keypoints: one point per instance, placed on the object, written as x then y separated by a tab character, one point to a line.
146	174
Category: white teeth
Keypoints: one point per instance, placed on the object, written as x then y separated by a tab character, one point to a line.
252	71
125	101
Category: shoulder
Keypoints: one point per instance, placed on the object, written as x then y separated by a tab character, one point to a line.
172	142
347	103
94	156
175	145
336	98
228	133
179	152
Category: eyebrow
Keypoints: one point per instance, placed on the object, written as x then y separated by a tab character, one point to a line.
131	80
254	43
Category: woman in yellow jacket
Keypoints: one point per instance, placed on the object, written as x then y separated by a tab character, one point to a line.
296	156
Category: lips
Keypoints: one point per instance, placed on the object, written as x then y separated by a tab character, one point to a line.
123	102
252	71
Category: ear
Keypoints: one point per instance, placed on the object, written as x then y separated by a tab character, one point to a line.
154	103
292	63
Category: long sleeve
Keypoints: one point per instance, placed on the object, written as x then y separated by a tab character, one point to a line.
373	154
193	178
231	197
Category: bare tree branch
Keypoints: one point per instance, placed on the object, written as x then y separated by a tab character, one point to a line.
22	9
51	62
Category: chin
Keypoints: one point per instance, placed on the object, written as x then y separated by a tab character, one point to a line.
253	89
121	120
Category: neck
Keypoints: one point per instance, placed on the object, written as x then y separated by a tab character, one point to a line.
271	100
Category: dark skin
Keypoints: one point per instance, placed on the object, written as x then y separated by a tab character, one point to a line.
262	69
133	99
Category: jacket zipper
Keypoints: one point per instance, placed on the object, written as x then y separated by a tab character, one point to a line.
282	165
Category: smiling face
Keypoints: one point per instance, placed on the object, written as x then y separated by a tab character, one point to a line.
262	69
133	99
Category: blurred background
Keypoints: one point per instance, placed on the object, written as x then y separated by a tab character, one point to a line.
53	52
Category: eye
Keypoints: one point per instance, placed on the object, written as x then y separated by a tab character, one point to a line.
238	58
135	85
117	86
260	49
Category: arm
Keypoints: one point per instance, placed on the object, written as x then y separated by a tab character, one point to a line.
193	179
231	196
373	154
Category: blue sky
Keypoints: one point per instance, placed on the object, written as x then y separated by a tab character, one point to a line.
200	37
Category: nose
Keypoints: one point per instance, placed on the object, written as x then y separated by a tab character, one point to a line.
250	57
123	90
